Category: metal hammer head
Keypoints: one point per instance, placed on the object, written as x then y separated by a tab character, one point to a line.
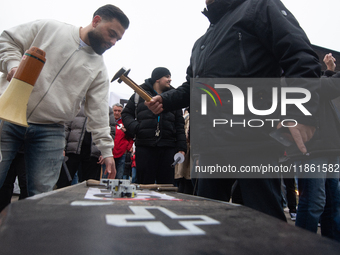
121	72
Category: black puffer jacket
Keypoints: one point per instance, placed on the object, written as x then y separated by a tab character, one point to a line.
250	38
171	124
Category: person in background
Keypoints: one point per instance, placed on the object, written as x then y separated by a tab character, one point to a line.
318	183
158	137
329	60
134	168
128	165
182	170
123	142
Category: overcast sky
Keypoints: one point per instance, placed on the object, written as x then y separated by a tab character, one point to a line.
162	32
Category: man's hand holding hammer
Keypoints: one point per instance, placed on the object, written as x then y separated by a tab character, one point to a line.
155	104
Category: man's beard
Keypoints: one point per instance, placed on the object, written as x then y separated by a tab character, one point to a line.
96	42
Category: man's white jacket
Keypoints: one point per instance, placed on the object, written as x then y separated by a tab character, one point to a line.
70	74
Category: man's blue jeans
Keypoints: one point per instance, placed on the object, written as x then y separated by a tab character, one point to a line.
319	198
120	165
43	152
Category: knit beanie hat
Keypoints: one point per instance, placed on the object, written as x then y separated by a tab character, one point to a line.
158	73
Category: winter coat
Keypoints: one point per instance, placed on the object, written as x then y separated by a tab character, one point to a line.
144	125
123	142
250	38
75	132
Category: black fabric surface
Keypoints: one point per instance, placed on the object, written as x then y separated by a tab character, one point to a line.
50	225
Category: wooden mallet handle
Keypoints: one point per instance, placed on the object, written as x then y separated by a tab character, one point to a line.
143	94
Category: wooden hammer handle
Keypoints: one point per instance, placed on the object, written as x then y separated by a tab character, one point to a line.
175	189
136	88
92	182
153	186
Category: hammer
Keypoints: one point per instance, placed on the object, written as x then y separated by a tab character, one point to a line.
122	75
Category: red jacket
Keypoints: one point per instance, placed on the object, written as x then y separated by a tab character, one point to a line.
133	164
122	142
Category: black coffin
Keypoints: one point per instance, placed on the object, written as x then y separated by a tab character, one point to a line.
63	222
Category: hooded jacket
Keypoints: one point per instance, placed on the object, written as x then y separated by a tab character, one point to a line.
144	125
250	39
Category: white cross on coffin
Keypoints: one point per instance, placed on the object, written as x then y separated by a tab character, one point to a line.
189	222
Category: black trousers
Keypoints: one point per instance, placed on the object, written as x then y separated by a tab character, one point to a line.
291	195
261	194
87	169
90	169
154	165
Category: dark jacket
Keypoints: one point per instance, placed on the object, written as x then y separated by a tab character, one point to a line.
250	38
171	124
329	73
128	164
326	140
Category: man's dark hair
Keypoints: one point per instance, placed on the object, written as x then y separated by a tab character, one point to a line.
109	12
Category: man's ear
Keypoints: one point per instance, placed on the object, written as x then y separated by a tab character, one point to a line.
96	20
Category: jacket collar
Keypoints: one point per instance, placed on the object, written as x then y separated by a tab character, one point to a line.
215	11
76	37
148	85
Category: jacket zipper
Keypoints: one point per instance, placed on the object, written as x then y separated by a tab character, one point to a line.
53	82
243	55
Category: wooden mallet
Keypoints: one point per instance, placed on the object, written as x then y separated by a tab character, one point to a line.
122	75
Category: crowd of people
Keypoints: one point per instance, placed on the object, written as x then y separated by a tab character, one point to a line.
248	39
